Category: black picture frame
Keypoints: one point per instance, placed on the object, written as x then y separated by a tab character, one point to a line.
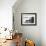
29	19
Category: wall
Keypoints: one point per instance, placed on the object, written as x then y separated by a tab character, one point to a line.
43	22
6	13
29	32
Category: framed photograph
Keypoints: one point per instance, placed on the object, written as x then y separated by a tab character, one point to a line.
28	19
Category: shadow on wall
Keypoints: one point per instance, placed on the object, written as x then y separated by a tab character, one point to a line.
37	41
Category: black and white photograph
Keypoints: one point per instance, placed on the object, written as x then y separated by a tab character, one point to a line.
28	18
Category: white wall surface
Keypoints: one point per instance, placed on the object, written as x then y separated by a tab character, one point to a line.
43	22
29	32
37	33
6	13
